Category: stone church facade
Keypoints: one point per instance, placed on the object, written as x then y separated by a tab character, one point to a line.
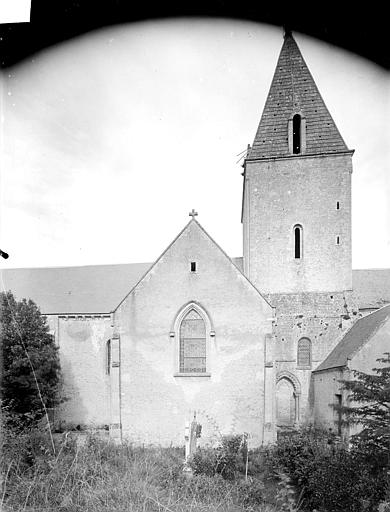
143	346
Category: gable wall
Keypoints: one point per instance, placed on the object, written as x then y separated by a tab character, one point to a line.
155	403
326	385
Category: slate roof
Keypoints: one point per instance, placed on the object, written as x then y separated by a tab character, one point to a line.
91	289
83	290
357	336
293	90
100	288
371	287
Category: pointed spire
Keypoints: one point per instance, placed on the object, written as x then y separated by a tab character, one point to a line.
293	91
287	31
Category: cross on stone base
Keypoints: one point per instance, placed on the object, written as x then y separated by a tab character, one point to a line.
193	213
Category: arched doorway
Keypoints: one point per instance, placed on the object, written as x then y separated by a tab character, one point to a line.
285	403
287	400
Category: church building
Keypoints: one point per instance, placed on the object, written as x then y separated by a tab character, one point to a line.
236	340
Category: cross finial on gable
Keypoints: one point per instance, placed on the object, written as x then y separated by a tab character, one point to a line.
193	213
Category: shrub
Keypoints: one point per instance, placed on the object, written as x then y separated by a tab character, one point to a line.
251	492
331	478
222	460
31	378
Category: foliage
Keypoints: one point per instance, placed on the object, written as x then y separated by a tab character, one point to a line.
285	496
31	368
222	460
227	462
370	397
90	473
330	477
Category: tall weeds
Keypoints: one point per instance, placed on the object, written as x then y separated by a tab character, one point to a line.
100	476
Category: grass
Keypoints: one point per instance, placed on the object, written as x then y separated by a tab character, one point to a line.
100	476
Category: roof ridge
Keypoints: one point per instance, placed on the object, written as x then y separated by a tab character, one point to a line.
76	266
193	220
372	268
155	263
236	266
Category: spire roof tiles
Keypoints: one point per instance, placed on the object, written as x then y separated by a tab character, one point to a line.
293	91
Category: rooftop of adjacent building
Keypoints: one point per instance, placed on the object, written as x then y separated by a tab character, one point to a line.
355	338
100	288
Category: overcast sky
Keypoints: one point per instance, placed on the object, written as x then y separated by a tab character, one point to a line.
108	141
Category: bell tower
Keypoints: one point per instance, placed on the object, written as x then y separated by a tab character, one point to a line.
296	210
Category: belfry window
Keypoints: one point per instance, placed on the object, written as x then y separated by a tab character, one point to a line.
192	343
298	235
304	352
297	134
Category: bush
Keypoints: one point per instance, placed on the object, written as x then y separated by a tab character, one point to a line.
330	477
251	492
31	374
222	460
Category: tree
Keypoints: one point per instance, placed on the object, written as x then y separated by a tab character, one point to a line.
370	397
31	369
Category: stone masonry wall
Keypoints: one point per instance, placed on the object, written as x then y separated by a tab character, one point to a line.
82	348
280	193
321	317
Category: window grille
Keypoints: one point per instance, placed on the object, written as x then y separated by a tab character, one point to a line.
304	352
192	343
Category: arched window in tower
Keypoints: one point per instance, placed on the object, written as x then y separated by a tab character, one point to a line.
297	134
108	357
304	352
192	343
298	241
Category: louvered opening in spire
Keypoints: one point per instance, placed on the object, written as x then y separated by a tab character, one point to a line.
295	120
